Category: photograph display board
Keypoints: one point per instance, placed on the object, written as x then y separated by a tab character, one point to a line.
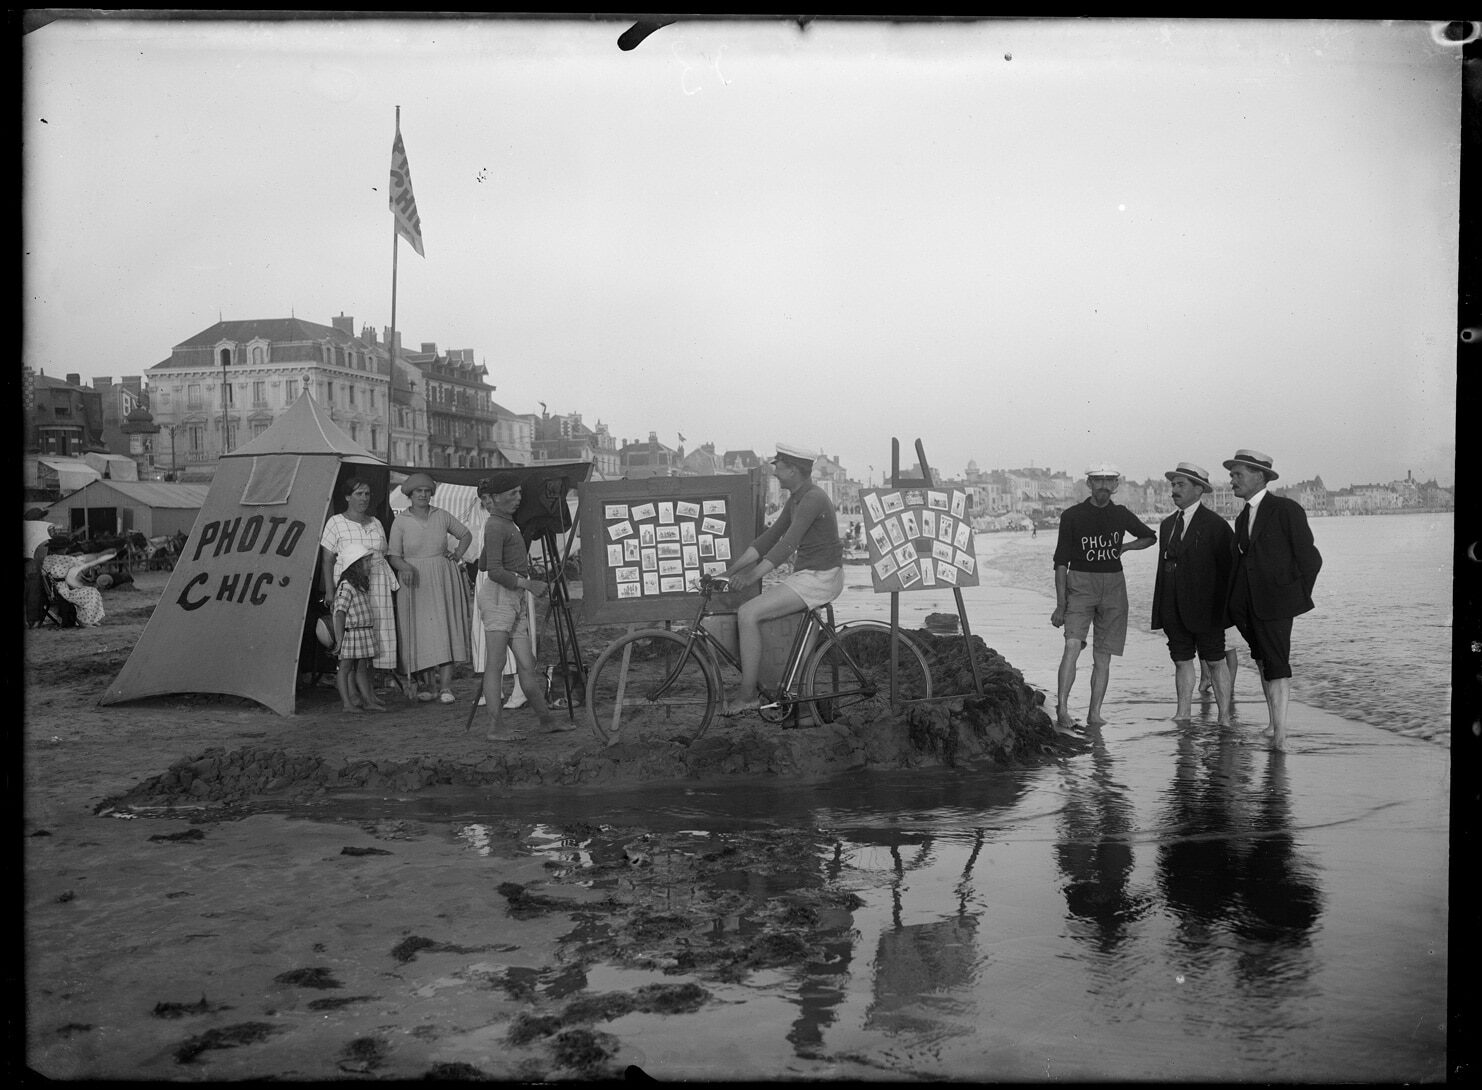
646	541
919	538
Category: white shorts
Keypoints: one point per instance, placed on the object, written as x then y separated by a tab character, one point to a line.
816	588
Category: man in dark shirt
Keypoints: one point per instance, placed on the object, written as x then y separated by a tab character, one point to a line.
807	530
1091	589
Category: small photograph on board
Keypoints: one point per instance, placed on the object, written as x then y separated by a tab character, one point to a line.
881	542
646	535
613	511
713	507
914	498
885	566
687	532
667	533
909	576
937	501
687	509
963	536
669	550
722	548
946	527
643	511
627	575
946	572
892	502
959	503
713	568
942	550
707	545
906	554
614	554
650	582
671	584
713	526
691	556
671	567
649	558
909	526
872	505
893	530
630	590
928	523
965	561
666	511
619	530
928	572
630	550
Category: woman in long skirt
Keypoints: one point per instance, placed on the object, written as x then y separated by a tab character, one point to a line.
357	526
432	615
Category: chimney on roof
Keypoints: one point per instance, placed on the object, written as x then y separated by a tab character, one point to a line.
102	382
390	338
430	347
74	379
368	334
344	323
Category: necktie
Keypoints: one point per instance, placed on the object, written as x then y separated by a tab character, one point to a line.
1242	529
1178	526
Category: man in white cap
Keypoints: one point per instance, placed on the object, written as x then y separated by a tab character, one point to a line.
806	527
1090	587
1190	589
1275	568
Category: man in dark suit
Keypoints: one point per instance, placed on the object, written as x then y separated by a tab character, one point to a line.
1275	568
1190	589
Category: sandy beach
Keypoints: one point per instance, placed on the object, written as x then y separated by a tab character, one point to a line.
339	922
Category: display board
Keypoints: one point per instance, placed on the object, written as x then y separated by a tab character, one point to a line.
645	542
919	538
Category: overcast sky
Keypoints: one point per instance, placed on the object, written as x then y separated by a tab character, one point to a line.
1022	242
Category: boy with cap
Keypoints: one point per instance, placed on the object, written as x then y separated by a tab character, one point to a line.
501	603
806	527
1189	591
1090	587
1275	568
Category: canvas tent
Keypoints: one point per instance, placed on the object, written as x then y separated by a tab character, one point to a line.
231	619
154	509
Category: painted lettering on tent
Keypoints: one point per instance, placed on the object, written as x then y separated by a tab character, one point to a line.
231	618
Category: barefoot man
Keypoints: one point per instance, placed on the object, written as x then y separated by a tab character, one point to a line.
808	527
1276	566
1192	584
1090	587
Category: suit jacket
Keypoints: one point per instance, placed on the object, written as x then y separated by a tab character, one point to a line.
1201	577
1281	562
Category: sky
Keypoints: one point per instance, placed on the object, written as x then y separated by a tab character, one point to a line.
1020	242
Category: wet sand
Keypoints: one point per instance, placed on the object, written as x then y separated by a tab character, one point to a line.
254	945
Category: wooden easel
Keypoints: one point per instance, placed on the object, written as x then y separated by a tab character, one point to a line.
927	481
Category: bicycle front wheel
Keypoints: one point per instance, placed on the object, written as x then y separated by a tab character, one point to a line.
851	672
652	680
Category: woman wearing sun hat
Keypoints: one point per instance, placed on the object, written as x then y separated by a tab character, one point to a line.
432	615
358	525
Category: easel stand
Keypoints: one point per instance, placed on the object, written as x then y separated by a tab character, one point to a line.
926	481
567	647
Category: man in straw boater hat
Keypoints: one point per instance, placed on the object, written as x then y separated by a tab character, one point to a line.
1191	587
806	527
1090	587
1275	568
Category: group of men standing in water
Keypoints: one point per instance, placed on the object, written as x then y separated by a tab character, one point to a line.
1256	577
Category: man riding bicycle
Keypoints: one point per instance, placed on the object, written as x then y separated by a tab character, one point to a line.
806	527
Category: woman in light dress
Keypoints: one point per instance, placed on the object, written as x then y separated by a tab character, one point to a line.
356	525
432	614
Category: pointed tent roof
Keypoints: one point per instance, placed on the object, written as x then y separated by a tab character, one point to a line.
305	428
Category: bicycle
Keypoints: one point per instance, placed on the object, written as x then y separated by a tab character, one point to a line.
663	676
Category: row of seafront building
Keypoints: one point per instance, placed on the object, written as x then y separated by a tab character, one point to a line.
225	385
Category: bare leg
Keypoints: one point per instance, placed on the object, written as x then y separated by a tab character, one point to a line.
529	679
495	646
1065	682
1278	692
1220	677
1232	664
365	684
1100	676
1183	689
345	684
775	601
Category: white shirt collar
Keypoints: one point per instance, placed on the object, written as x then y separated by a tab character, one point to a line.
1255	501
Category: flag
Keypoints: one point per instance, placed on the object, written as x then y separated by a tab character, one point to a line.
403	203
681	438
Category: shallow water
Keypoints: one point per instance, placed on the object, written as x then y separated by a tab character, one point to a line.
1172	903
1376	647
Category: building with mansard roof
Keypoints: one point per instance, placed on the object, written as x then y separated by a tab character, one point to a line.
225	385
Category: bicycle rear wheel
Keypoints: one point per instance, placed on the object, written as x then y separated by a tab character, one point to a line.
832	686
651	680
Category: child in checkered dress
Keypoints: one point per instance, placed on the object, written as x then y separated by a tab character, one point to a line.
355	638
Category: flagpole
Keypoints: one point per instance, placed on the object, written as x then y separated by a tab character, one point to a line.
391	347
